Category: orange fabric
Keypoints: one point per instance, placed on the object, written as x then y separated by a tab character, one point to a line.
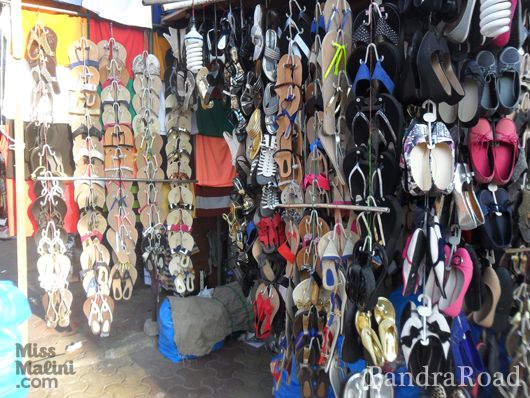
68	29
213	162
12	201
160	47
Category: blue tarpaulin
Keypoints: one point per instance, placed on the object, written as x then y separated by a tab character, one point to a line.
73	2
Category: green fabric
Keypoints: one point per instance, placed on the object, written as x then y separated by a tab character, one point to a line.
213	122
130	87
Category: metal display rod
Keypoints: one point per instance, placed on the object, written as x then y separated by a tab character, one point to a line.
516	250
189	4
155	2
125	179
331	206
182	4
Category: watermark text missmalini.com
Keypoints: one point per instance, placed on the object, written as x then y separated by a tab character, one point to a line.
38	366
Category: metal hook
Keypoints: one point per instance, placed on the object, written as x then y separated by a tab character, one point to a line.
371	45
369	12
301	9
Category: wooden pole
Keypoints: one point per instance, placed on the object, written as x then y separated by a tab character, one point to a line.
20	184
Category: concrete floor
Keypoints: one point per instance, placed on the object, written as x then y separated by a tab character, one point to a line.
128	364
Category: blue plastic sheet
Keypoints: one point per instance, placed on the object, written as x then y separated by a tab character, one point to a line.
166	342
73	2
14	307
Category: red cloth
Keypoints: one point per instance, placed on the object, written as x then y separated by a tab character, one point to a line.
131	38
72	212
213	162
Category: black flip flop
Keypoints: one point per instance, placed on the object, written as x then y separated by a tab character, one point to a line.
390	120
393	223
355	167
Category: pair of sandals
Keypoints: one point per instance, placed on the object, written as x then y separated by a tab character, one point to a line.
99	310
179	225
366	273
41	55
57	306
424	246
266	306
181	243
457	279
382	346
335	249
429	154
49	205
494	148
122	278
147	84
425	339
308	335
95	260
112	58
271	233
84	69
54	268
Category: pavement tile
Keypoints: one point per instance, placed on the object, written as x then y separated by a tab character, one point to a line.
251	378
242	392
126	390
184	392
162	382
98	382
225	370
77	394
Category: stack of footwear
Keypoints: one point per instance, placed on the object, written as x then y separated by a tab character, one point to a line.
320	104
119	163
146	126
180	102
89	157
49	208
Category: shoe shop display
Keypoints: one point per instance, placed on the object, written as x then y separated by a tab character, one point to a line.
367	162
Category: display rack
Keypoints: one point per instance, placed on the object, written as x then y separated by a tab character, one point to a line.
111	179
374	209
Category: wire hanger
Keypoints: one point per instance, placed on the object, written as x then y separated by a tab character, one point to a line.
371	46
370	10
14	144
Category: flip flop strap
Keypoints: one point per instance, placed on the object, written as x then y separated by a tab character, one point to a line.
340	55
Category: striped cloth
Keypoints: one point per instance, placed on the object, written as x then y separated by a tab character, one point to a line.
212	201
